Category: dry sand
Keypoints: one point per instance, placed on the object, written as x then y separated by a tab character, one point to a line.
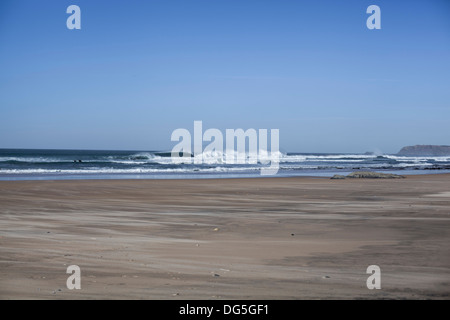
262	238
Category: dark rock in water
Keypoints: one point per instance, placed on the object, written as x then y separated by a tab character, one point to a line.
425	150
373	175
338	176
437	168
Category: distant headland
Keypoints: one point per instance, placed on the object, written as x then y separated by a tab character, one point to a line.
425	150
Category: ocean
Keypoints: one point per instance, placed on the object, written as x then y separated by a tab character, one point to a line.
26	164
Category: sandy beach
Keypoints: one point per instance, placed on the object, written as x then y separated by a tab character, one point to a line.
262	238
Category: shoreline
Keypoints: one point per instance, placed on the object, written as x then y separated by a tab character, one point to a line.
201	176
236	238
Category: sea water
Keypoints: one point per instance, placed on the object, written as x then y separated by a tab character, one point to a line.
27	164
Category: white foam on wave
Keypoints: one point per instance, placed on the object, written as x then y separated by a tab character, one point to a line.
127	162
32	159
341	156
326	158
218	157
125	171
145	157
417	159
406	165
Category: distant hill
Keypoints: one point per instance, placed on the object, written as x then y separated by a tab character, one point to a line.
425	150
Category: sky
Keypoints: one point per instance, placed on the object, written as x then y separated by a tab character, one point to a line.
138	70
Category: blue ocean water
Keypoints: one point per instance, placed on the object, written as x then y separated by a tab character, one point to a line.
26	164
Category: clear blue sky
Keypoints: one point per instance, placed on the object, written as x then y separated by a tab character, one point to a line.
137	70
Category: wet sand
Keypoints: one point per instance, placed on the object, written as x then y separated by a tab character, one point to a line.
262	238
